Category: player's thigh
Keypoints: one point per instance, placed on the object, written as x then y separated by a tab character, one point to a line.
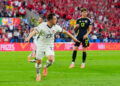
77	44
39	61
50	58
85	43
50	54
39	54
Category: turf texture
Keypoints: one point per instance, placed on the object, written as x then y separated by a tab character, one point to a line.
102	69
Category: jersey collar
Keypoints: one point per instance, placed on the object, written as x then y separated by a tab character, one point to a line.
49	26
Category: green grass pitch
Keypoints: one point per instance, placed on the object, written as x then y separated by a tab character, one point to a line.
102	69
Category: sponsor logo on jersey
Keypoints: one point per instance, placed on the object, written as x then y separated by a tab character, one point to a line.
86	21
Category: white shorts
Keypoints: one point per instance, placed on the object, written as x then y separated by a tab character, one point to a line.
41	52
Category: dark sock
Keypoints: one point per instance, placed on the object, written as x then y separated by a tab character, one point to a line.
84	57
48	64
74	56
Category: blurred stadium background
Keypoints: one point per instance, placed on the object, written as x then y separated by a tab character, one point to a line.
18	16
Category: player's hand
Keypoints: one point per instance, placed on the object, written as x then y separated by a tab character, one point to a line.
76	40
85	36
27	39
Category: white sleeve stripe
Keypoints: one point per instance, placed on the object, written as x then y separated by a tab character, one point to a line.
89	19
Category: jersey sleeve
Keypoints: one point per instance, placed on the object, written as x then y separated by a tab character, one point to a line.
77	22
38	28
90	23
58	28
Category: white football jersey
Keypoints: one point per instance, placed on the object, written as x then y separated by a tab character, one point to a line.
46	34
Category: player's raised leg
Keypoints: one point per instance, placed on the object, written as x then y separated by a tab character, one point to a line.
31	55
34	52
32	61
74	57
48	64
38	67
35	42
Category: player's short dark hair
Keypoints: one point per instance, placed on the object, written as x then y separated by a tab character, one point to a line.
83	9
50	16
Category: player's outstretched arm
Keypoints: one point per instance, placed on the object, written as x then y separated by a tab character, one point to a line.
31	35
76	27
70	35
31	30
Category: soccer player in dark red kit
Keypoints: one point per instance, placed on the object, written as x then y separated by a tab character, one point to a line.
83	28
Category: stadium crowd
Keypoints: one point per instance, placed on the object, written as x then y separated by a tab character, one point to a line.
105	16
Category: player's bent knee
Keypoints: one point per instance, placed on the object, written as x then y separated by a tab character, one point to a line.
76	48
51	60
38	61
84	49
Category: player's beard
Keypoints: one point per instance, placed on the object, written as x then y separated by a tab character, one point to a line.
54	24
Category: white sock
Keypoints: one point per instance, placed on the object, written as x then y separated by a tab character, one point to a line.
38	74
73	62
83	63
38	67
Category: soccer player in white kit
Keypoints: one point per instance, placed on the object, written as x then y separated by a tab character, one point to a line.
32	54
45	46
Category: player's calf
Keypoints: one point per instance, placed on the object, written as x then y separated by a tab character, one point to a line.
74	57
49	61
48	64
38	67
83	58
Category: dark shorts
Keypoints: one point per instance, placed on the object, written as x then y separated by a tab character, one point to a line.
85	42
